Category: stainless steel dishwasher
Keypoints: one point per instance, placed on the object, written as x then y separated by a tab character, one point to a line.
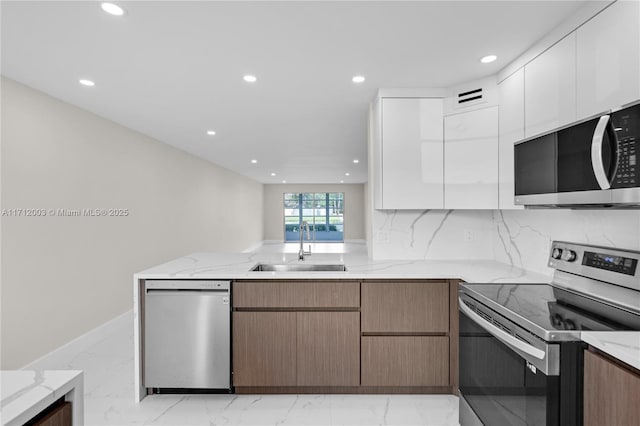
187	328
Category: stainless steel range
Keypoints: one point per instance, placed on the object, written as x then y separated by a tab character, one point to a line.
521	355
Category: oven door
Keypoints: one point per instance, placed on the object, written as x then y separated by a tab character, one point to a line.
499	383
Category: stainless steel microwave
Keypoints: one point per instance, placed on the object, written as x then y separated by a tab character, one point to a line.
593	163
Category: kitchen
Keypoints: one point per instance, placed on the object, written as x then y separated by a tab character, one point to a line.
165	141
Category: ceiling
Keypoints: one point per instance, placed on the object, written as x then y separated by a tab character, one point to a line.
174	69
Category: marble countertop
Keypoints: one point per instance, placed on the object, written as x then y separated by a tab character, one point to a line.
359	266
230	266
25	393
623	345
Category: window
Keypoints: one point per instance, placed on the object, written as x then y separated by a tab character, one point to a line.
323	211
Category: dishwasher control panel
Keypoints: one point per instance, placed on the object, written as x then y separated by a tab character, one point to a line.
188	285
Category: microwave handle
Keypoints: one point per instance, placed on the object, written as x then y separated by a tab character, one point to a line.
597	161
501	335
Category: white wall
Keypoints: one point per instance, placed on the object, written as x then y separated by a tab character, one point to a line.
354	210
63	276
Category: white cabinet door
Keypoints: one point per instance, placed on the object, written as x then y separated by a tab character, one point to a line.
471	160
511	94
412	149
550	88
608	58
375	153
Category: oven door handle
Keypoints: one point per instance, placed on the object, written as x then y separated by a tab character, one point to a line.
501	335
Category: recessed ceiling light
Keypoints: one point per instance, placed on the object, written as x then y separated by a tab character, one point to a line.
254	161
250	78
211	132
273	174
86	82
347	174
112	9
488	59
358	79
356	161
341	181
284	181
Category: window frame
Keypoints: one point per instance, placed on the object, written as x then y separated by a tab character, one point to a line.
327	216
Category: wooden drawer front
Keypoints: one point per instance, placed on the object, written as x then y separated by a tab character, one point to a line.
405	361
264	348
409	307
610	393
328	348
60	415
296	294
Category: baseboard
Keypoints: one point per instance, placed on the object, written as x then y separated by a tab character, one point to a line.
351	241
60	356
356	241
403	390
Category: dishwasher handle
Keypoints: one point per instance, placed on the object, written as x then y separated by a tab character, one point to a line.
178	291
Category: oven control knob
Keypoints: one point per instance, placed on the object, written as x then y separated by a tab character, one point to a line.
557	253
569	255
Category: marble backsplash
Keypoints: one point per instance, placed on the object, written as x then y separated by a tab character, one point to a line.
432	234
521	238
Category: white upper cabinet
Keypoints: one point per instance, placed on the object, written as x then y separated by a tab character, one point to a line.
550	88
608	58
411	148
511	95
471	160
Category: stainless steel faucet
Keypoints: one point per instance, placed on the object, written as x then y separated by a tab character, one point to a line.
301	252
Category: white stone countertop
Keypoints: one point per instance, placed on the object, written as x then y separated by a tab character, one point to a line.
359	266
25	393
623	345
234	266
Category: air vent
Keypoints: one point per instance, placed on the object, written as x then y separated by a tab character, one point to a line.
470	97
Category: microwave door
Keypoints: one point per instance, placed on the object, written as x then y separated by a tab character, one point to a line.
575	165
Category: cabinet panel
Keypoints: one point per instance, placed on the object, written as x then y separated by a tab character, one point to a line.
511	125
60	415
405	361
608	59
264	348
296	294
412	149
550	88
405	307
328	347
471	160
610	393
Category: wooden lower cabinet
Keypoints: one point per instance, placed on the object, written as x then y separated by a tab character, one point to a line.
264	348
610	393
328	349
405	361
58	415
335	336
296	349
405	306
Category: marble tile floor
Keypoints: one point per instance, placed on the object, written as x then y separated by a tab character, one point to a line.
108	372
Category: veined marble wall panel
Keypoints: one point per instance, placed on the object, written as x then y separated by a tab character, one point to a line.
523	237
432	234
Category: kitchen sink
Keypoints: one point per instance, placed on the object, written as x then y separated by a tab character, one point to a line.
298	267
